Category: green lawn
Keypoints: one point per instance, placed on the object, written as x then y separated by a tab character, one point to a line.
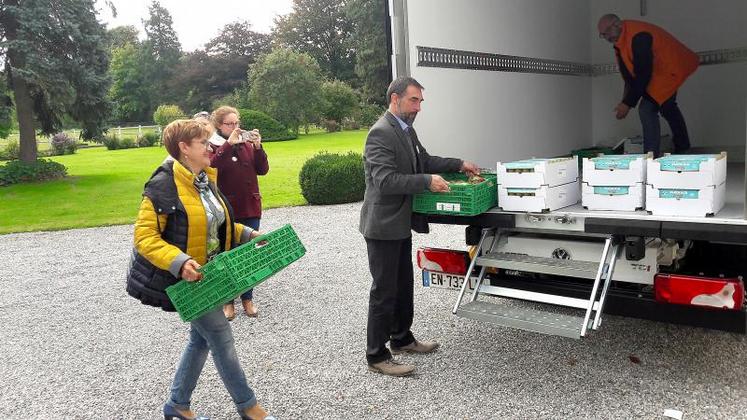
104	187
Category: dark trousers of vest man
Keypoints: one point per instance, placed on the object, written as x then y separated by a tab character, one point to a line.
390	304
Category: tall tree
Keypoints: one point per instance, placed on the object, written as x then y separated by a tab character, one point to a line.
238	39
162	51
287	86
122	35
161	37
203	77
131	90
6	108
369	41
56	58
321	29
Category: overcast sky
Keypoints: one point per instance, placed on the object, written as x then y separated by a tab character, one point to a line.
196	22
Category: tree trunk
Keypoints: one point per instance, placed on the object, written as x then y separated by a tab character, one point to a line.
25	114
24	104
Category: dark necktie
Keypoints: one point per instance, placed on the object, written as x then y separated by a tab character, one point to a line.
414	142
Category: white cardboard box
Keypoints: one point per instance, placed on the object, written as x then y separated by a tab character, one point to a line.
539	199
534	173
615	169
685	202
687	171
618	197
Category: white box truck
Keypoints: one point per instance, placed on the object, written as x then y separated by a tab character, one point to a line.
507	80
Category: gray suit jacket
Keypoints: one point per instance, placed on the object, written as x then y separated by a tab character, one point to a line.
392	178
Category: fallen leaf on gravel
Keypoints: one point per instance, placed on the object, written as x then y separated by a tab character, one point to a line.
634	359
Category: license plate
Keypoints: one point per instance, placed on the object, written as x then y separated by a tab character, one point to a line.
446	280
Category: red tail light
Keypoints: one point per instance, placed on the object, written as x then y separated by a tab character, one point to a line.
443	260
724	293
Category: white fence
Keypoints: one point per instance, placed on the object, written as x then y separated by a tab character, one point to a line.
118	130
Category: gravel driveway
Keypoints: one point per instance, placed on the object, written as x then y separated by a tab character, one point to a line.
74	345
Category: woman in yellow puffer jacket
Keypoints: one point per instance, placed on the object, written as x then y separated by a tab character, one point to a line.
183	222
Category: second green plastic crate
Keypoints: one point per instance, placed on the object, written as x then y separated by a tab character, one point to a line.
462	200
233	272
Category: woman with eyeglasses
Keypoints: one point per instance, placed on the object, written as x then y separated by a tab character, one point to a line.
239	158
183	222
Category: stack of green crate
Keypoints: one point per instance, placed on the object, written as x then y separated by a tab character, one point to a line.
462	200
234	272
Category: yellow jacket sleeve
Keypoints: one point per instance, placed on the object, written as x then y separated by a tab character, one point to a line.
239	232
148	240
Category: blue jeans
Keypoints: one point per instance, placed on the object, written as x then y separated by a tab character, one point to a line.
648	111
252	222
210	333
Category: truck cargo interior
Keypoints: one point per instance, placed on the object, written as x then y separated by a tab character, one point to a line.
508	79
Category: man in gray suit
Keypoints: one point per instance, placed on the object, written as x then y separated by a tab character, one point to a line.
397	166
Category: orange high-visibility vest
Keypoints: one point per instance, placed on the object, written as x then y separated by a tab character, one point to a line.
673	61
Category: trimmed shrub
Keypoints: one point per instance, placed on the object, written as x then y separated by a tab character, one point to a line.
127	143
11	152
16	171
148	139
62	144
165	114
269	127
329	178
112	142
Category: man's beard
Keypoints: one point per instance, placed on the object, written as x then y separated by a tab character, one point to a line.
408	118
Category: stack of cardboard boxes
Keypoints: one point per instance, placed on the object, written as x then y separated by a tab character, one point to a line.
536	185
614	182
686	185
673	185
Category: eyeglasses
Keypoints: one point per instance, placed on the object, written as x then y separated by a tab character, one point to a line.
232	124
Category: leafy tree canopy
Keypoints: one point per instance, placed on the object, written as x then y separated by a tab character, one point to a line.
238	39
370	44
57	57
340	100
130	91
162	40
204	77
120	36
287	86
321	29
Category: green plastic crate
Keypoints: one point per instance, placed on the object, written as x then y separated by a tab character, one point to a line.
462	200
234	272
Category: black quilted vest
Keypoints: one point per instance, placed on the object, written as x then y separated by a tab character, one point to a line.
145	281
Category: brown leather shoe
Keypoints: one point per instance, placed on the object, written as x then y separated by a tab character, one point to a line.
416	347
392	368
249	308
228	311
256	412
